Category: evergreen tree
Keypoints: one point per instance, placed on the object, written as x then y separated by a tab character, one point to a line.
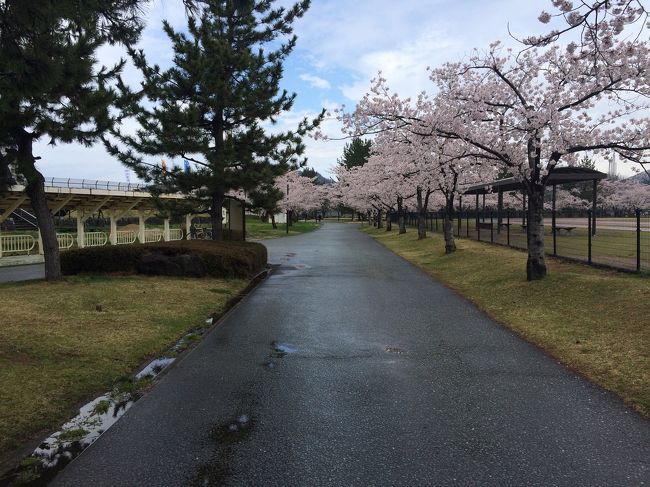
209	107
309	172
50	87
266	198
355	153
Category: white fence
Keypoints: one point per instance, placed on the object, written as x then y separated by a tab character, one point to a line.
175	234
153	236
95	239
65	240
125	237
14	244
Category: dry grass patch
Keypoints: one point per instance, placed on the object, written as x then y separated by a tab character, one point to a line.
595	321
57	348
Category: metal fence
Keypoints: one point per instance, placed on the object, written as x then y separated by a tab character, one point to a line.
621	242
93	184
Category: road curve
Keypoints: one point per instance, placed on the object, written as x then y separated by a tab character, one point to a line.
349	366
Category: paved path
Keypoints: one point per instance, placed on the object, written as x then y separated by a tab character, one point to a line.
389	379
25	272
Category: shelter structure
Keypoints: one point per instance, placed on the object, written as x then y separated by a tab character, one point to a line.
84	198
559	176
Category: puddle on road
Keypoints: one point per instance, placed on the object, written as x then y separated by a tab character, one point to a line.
225	436
280	349
94	418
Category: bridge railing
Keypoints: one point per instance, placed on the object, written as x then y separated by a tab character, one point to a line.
125	237
152	236
175	234
15	244
95	239
92	184
65	240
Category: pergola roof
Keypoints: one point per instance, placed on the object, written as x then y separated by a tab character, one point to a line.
559	176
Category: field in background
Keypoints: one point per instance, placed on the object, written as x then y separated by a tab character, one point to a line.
256	229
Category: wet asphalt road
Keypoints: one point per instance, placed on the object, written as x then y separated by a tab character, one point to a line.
392	380
22	272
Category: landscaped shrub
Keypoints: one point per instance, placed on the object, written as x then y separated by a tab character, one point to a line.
219	259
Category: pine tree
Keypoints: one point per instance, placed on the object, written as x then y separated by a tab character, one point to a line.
50	87
210	106
355	153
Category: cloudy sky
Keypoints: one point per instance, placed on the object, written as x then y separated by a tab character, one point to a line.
341	46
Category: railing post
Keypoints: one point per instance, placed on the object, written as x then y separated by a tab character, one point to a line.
638	240
491	227
554	229
589	239
478	225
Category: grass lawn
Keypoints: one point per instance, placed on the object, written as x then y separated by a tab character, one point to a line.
613	247
57	349
256	229
594	321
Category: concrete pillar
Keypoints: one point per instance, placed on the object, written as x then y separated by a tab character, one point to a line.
141	226
166	235
113	234
40	243
236	222
81	236
188	224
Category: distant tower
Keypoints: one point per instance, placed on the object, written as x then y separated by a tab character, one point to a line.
612	166
127	173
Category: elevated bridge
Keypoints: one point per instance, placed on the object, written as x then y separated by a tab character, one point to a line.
84	198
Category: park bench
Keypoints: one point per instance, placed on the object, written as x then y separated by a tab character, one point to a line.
485	225
568	230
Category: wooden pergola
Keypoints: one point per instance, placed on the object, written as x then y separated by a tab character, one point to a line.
559	176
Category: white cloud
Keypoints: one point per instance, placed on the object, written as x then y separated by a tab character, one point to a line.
316	81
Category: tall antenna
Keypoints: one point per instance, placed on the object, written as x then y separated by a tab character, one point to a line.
612	166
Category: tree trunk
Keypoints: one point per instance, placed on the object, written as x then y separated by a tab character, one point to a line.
380	224
400	215
448	226
422	218
389	223
536	264
36	192
275	226
215	215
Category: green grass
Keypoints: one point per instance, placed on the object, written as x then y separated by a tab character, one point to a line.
256	229
594	321
57	350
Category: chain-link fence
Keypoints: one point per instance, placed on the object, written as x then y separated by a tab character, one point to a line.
621	241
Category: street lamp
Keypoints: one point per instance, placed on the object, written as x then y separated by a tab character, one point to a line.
287	208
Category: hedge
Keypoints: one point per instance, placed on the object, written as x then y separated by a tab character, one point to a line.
217	259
